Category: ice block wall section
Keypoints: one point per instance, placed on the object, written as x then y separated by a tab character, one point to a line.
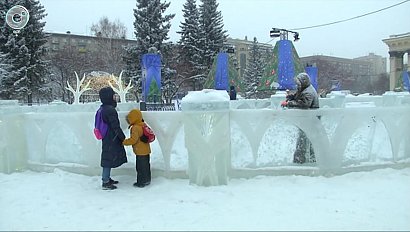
207	137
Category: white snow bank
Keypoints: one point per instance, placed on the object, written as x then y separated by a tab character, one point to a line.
206	95
375	201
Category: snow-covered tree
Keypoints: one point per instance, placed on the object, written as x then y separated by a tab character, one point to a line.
212	34
190	59
25	51
151	29
169	85
5	5
173	77
254	70
5	58
4	67
190	37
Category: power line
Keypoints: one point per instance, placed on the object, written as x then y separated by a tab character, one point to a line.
344	20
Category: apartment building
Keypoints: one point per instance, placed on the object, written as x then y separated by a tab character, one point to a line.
357	75
84	43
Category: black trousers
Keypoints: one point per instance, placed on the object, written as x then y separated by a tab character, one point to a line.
304	152
143	168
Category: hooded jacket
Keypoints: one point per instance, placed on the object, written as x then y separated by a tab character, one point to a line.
135	121
306	96
113	153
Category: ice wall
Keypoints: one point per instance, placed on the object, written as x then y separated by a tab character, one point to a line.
213	139
207	136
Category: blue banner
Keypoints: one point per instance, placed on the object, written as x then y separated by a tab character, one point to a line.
286	66
312	72
221	75
151	70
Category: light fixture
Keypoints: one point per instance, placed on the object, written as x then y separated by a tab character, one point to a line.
296	36
283	33
275	32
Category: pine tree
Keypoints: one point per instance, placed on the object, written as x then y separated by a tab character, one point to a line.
190	38
25	51
254	71
4	67
5	31
212	34
169	84
151	29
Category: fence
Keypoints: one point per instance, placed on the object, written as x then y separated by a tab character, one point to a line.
214	141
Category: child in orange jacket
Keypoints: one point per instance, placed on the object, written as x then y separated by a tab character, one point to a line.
140	146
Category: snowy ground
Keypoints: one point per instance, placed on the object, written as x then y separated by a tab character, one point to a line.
377	200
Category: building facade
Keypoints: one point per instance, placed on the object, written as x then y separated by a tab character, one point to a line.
399	46
242	49
358	75
378	64
84	43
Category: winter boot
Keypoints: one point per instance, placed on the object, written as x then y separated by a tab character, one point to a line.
138	185
108	186
113	181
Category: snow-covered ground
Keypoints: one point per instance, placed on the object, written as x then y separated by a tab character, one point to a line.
376	200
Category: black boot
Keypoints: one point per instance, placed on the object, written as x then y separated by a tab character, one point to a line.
113	181
138	185
108	186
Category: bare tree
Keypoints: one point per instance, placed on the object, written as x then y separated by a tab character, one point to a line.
107	29
110	39
64	62
381	84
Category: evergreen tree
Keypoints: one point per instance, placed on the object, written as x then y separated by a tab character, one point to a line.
169	84
190	38
25	52
212	34
5	32
151	29
254	70
4	67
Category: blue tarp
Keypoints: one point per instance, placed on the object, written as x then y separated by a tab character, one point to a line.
221	75
151	69
286	66
406	81
312	72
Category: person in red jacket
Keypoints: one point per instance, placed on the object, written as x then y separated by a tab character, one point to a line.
141	148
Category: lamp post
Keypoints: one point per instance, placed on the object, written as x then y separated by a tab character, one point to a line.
283	34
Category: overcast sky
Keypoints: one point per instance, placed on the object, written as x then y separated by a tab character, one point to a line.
255	18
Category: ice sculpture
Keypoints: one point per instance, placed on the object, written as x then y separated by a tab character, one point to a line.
78	91
120	90
207	136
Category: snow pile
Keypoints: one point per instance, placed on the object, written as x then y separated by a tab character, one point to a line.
205	100
206	95
374	201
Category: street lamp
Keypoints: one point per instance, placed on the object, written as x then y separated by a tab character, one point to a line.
283	34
